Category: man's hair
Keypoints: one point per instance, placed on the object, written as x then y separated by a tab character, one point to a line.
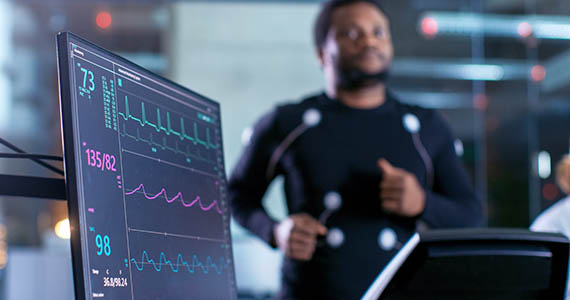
323	22
563	174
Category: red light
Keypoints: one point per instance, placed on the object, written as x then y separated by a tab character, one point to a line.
549	192
429	26
104	20
538	73
524	29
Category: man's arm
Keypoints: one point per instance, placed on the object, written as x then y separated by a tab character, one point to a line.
297	235
452	202
248	183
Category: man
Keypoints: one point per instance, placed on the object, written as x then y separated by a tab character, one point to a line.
360	168
557	217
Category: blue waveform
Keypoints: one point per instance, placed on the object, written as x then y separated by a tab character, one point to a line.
180	262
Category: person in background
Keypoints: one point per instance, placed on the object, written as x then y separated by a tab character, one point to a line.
361	168
557	217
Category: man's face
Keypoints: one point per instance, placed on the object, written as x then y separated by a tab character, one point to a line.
358	40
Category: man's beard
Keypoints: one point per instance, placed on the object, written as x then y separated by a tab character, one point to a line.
354	79
351	77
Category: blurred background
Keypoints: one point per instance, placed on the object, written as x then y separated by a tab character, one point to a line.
499	70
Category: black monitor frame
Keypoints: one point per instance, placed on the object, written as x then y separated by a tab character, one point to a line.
69	162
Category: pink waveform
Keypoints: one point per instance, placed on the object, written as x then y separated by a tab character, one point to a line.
178	195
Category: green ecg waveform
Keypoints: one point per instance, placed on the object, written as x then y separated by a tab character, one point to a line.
164	145
143	121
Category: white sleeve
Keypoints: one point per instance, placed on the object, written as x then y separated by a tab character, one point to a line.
546	222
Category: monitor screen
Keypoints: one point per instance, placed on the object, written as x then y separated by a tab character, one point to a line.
145	181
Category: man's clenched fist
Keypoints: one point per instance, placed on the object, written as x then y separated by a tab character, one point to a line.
400	191
297	235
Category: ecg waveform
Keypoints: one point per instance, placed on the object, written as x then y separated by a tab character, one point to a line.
179	195
180	262
164	146
143	121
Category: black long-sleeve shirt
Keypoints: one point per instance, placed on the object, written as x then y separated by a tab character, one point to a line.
340	155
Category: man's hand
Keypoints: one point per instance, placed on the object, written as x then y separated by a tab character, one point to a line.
400	192
296	236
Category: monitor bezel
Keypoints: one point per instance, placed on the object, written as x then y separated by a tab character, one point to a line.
69	160
68	144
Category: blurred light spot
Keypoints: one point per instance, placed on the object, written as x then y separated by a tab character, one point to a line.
429	26
481	72
62	229
549	192
458	144
544	164
550	29
524	29
246	135
537	73
104	19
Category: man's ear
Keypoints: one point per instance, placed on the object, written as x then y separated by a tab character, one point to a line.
320	56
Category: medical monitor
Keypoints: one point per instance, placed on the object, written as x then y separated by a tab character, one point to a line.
145	181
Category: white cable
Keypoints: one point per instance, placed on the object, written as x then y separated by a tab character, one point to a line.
425	157
412	125
311	118
332	201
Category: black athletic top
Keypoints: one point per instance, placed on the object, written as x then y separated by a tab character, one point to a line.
340	154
